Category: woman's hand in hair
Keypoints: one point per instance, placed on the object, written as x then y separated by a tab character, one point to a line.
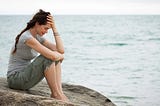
52	23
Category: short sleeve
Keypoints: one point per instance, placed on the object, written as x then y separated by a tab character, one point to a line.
25	37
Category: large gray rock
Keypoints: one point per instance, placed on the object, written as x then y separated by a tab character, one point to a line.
40	96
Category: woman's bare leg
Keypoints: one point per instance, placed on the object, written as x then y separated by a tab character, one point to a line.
51	77
59	83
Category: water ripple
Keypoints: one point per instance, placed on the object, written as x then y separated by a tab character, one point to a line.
117	44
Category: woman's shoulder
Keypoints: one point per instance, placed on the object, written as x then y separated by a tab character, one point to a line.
25	36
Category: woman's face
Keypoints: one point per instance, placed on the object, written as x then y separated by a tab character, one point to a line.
43	29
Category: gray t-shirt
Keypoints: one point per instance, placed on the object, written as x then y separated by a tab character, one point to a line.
23	55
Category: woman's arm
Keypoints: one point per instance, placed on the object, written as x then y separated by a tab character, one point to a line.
59	43
53	55
50	45
58	40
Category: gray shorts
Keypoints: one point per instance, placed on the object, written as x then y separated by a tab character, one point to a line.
31	75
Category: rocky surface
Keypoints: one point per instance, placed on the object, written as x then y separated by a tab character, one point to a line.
40	96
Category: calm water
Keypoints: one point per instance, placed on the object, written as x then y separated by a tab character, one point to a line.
119	56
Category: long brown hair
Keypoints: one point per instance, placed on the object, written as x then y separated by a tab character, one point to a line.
40	17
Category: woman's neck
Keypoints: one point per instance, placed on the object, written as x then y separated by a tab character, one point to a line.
33	32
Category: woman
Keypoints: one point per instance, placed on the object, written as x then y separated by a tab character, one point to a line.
25	68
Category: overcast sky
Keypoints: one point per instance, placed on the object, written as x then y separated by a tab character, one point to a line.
81	6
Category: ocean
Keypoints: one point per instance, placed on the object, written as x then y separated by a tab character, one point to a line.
116	55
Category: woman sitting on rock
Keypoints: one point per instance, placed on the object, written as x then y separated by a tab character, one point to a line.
25	68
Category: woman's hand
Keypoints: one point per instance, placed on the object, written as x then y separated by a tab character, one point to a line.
62	58
50	21
59	56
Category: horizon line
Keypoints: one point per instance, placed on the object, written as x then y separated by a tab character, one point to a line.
93	14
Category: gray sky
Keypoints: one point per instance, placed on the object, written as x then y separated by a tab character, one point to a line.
81	6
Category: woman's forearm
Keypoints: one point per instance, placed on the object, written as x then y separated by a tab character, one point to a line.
58	40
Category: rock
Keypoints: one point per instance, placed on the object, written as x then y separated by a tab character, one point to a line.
40	96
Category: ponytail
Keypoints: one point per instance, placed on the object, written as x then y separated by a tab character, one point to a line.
29	25
17	39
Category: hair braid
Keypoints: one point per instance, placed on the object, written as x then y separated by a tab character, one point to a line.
29	25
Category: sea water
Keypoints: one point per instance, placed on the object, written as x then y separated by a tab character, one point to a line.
116	55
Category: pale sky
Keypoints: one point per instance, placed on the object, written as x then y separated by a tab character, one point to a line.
81	6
